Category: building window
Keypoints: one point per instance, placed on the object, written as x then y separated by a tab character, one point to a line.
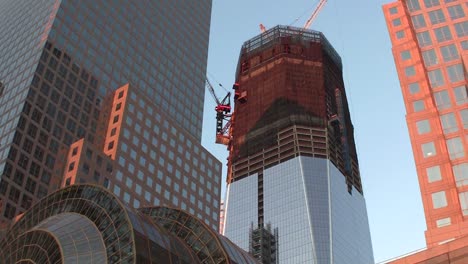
464	45
464	116
414	88
460	95
464	202
418	21
455	12
423	127
436	16
443	222
428	149
431	3
436	78
443	34
405	55
400	34
413	5
449	123
460	172
442	99
456	73
410	71
433	174
424	39
418	106
461	29
396	22
439	200
393	10
430	58
449	52
455	148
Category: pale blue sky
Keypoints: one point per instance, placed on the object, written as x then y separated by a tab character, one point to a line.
358	32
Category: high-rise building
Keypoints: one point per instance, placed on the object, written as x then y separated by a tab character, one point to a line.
123	83
294	188
429	44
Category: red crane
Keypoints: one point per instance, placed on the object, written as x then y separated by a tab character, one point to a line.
223	114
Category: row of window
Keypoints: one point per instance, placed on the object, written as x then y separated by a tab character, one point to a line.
455	148
442	99
415	5
435	17
442	34
439	200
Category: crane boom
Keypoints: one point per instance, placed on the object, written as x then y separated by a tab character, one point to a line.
315	13
212	92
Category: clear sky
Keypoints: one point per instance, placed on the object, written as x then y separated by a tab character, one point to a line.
358	32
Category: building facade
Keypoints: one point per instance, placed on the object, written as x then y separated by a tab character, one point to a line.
429	44
89	224
61	65
294	189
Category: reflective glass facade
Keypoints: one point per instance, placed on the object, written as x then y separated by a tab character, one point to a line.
62	62
306	198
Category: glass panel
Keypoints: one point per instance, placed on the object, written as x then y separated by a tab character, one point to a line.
439	200
449	52
430	58
436	78
410	71
443	34
431	3
424	39
443	222
428	149
463	202
456	73
433	174
462	29
418	21
405	55
460	95
442	99
423	127
449	123
464	117
456	11
418	106
413	88
413	5
455	148
460	172
436	16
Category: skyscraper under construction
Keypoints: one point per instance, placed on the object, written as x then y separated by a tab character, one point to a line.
294	186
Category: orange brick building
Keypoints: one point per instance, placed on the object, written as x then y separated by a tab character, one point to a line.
430	39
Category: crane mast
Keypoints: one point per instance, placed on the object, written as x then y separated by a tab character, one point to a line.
223	114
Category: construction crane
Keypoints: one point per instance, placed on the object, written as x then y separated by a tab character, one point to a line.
315	13
311	19
223	114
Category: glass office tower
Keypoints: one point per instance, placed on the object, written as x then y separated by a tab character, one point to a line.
60	65
294	189
429	44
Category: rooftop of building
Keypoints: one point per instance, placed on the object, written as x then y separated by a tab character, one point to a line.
274	35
